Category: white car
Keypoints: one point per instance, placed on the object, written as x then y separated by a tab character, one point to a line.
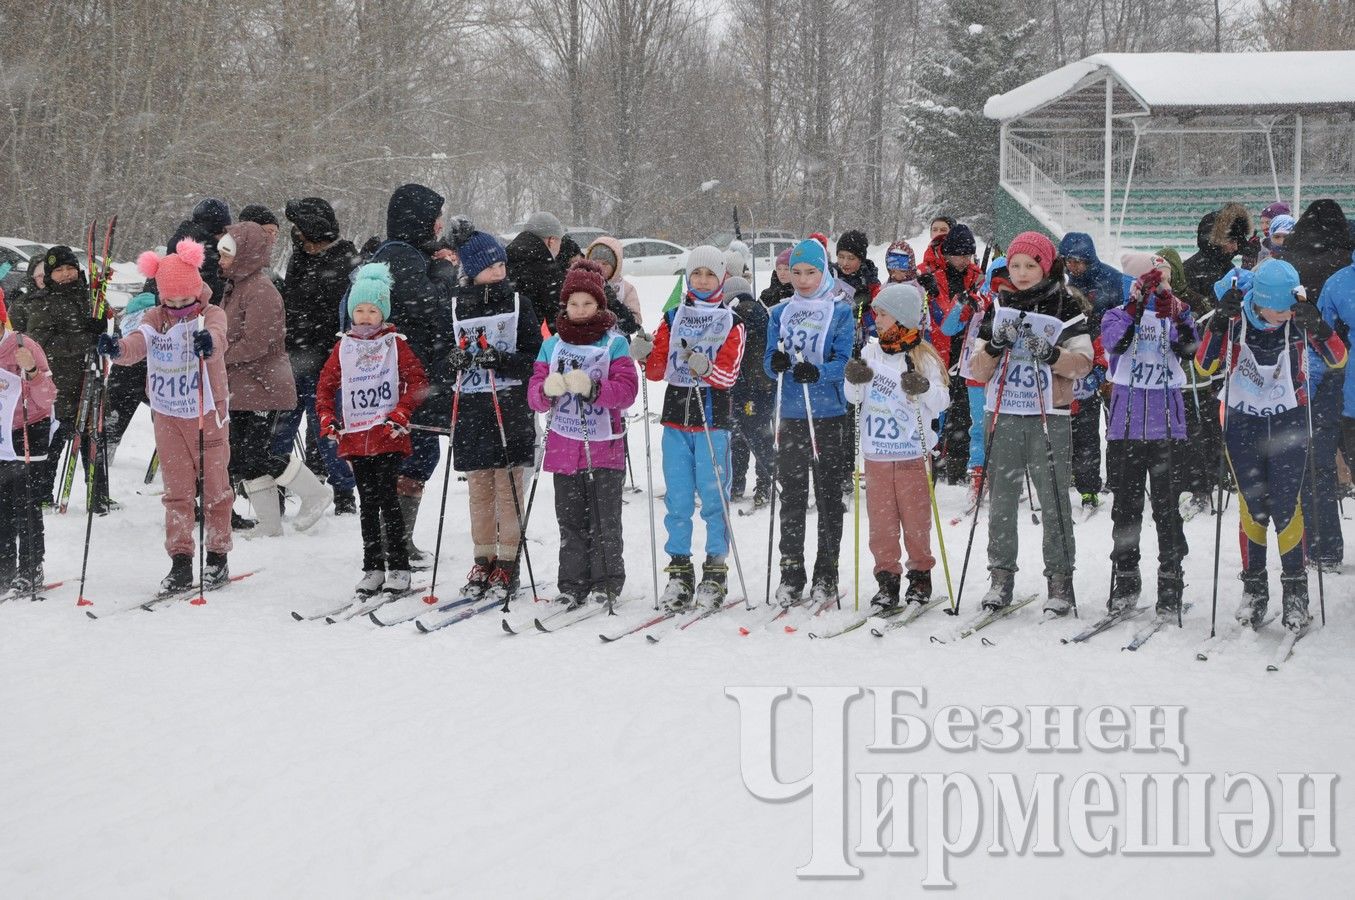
766	250
651	256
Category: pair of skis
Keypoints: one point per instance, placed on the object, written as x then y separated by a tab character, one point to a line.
1110	620
1247	636
358	605
165	599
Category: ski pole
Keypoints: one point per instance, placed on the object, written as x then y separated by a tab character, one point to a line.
1223	461
152	467
1060	495
432	597
983	478
594	524
931	496
29	544
649	487
776	471
809	417
1312	460
724	501
856	480
522	550
202	459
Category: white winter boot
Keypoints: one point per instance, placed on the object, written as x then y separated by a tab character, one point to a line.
316	496
263	494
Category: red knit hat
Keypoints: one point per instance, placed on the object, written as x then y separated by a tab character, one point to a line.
586	276
176	274
1036	246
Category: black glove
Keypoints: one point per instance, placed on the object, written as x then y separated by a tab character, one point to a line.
914	383
805	372
1041	350
928	282
1126	340
459	360
108	346
202	344
780	361
1230	304
489	358
858	371
95	326
1308	317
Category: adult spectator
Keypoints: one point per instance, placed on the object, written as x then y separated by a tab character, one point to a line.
1104	285
532	267
312	289
208	224
1208	264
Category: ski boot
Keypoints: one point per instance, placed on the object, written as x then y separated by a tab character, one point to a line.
26	584
1126	589
600	597
371	582
1170	587
1193	505
761	496
1255	599
503	581
791	590
711	592
823	590
397	581
570	599
1090	502
477	579
1000	584
1060	601
216	573
677	594
410	494
1295	601
180	577
887	597
919	587
975	482
238	522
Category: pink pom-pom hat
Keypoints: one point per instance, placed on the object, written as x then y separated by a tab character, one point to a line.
176	275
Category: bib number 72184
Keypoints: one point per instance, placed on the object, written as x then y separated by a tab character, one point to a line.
169	387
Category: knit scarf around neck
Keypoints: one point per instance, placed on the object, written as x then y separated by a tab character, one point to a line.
581	334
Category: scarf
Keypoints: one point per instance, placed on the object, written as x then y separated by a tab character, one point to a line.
181	313
589	331
366	332
896	338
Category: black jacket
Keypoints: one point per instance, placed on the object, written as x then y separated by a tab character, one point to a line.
753	380
1320	245
1208	265
477	444
775	292
421	293
311	294
536	274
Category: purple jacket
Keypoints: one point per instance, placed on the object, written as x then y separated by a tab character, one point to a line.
565	456
1140	414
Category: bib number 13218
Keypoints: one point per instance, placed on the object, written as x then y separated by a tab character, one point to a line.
369	398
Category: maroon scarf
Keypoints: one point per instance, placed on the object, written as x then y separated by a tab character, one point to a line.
581	334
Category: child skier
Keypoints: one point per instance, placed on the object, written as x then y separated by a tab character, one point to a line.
1264	335
899	386
1148	338
179	339
583	379
498	339
1032	346
963	321
809	338
697	349
27	395
379	382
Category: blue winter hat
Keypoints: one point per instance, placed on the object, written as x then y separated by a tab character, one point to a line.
1282	225
371	284
1274	284
810	252
479	252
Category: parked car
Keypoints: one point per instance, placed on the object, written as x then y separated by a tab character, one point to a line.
17	252
583	235
721	239
766	249
651	256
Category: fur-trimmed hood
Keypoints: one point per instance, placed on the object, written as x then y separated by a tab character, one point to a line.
1232	223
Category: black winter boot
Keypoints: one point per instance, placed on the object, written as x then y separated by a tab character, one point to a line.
180	577
1294	598
1255	599
887	597
919	587
677	594
1125	594
216	573
1170	587
1060	601
1001	582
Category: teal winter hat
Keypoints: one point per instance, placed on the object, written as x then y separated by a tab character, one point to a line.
1273	285
371	284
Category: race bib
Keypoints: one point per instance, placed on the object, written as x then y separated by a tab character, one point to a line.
1150	364
370	374
501	331
888	420
1261	390
573	416
1028	387
172	372
703	329
11	386
804	329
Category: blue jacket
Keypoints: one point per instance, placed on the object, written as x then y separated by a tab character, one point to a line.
1337	303
826	396
1104	285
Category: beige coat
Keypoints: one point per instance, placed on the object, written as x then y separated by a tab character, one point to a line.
257	366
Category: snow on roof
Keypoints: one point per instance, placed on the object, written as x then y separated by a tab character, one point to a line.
1164	80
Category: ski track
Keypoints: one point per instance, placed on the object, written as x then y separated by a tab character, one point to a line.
144	750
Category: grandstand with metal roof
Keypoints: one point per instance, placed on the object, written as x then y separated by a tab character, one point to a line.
1134	148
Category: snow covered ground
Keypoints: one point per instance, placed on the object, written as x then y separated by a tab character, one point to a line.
226	750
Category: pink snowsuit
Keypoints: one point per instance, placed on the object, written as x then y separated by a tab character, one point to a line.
176	440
